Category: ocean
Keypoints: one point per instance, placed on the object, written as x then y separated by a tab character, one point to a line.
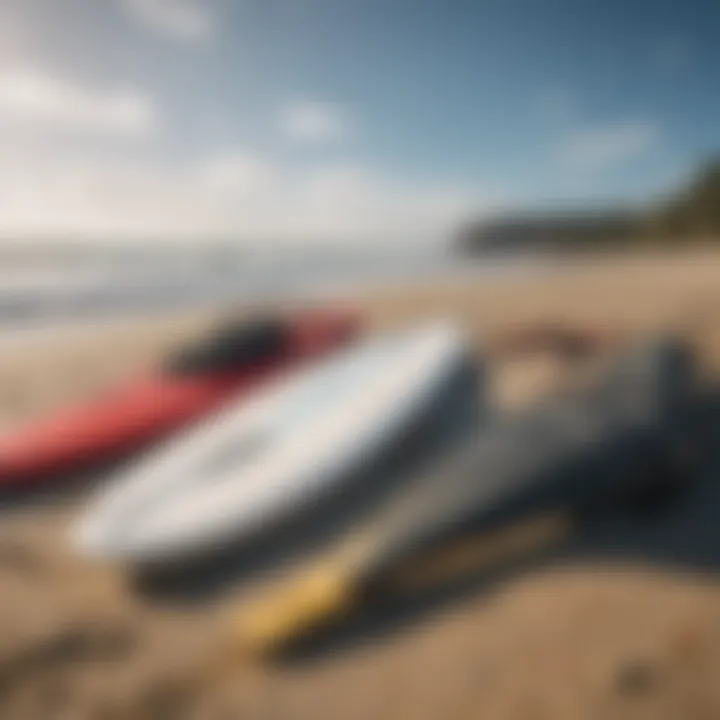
43	296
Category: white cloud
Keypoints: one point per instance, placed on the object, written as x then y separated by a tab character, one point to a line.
601	147
240	195
357	203
184	20
313	121
31	96
14	36
239	174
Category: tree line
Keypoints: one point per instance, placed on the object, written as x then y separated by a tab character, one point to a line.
690	214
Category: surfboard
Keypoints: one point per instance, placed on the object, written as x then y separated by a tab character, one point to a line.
519	484
231	362
255	465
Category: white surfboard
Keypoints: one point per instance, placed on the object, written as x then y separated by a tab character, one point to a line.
260	462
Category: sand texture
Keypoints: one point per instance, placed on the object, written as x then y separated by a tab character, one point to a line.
622	624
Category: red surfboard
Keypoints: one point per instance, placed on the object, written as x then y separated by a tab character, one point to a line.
197	380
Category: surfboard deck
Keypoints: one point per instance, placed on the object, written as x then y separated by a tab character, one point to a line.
251	467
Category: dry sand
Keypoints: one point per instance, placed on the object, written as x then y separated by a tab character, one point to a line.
602	636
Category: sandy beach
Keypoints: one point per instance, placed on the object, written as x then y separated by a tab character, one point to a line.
621	627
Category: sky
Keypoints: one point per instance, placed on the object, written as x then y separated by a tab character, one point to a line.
348	121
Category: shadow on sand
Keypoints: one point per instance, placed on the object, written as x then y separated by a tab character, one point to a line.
670	527
672	524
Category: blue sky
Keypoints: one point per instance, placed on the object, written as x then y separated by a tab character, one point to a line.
342	120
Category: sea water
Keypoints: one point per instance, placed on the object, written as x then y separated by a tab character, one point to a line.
37	298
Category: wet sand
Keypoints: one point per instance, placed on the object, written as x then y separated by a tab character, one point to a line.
623	623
